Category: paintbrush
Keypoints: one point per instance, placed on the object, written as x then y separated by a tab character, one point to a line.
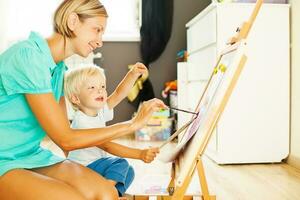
182	110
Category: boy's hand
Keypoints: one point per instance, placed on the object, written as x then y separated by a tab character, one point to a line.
138	69
148	155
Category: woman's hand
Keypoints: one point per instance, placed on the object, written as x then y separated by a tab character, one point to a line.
138	69
145	112
148	155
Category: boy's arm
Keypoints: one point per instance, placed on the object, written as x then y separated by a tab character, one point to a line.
120	150
126	84
146	155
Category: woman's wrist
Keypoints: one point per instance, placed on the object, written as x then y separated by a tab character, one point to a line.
132	126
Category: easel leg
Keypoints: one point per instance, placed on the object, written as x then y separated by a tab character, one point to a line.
171	185
203	183
179	193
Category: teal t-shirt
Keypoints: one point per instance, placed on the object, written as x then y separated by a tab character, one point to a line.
26	68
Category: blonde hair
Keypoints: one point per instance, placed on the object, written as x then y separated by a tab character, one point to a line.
74	78
83	8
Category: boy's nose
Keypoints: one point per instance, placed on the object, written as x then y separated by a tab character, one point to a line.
100	90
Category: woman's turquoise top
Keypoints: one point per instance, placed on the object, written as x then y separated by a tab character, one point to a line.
26	68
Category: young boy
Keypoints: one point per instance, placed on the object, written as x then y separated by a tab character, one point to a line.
85	88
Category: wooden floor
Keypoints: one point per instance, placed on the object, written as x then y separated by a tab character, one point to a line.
227	182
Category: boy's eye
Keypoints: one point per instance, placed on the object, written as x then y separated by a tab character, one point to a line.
103	87
92	87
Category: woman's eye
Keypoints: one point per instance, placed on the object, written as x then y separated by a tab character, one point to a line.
99	30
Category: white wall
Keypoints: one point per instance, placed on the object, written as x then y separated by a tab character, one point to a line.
294	158
19	17
3	14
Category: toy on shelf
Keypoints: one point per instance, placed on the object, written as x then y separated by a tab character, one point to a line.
171	85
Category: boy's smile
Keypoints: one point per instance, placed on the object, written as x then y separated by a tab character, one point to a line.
100	99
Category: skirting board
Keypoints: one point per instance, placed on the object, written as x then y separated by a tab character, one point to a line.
293	161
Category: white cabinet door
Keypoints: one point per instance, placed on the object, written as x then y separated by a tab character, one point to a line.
198	37
182	92
202	64
254	126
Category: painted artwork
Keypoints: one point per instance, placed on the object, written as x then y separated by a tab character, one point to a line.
214	97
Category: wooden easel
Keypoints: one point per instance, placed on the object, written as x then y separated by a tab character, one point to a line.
178	193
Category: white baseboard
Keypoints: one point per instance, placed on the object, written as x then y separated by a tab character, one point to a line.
293	161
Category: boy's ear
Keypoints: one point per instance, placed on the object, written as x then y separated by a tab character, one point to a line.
74	99
73	20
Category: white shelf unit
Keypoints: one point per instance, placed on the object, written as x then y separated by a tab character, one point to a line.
254	127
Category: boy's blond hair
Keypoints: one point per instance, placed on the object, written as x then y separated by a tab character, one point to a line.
75	77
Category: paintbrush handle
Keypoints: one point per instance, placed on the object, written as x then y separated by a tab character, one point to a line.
186	111
177	133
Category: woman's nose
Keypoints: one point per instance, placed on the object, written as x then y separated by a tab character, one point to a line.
99	44
99	40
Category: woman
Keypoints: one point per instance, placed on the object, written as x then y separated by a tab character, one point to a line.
31	104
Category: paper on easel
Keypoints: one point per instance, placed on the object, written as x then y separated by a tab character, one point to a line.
169	152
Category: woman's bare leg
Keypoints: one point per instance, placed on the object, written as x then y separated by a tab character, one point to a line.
22	184
89	183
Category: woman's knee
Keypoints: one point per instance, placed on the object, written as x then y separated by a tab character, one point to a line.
94	188
108	192
12	187
91	185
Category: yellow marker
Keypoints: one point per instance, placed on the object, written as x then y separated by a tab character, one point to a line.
215	70
223	68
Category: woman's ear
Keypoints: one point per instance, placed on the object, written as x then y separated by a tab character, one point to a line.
73	21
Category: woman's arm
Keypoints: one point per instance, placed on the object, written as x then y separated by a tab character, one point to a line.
146	155
62	103
53	120
126	84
